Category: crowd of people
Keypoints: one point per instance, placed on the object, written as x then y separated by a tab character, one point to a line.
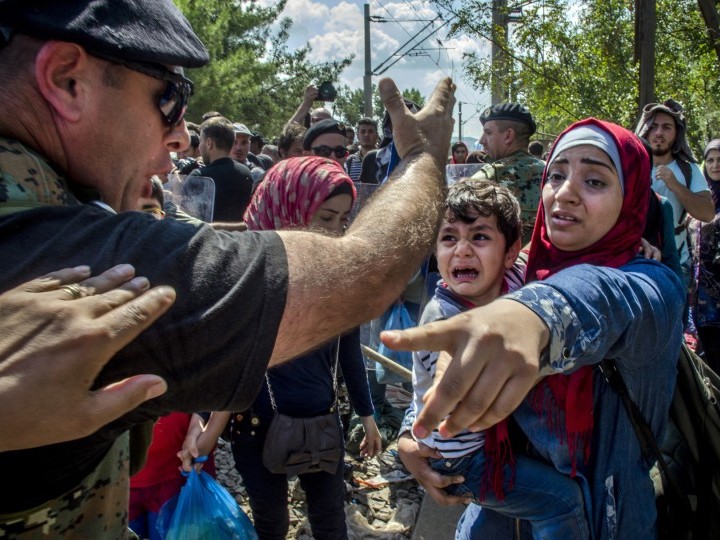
603	247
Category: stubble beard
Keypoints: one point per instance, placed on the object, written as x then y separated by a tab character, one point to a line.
661	151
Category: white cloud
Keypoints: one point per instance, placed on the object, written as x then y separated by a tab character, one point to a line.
306	16
331	46
345	16
335	30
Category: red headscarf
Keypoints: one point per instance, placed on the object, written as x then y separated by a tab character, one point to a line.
574	393
293	190
452	153
621	243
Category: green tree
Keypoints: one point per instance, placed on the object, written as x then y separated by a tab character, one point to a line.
349	104
573	59
413	94
252	77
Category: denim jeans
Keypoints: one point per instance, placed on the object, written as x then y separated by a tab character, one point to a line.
478	523
549	500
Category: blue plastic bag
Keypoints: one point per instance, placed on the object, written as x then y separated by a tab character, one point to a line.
399	319
204	510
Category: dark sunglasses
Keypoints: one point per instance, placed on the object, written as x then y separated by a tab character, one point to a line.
325	151
174	100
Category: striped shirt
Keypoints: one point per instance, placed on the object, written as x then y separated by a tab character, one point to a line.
443	305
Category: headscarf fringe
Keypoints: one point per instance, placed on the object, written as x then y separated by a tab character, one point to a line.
498	453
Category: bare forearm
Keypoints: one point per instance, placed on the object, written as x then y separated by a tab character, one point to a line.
698	205
216	424
334	284
338	283
300	114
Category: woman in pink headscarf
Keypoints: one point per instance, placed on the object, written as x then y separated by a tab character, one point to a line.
301	193
304	192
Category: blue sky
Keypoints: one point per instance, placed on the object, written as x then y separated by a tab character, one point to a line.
334	29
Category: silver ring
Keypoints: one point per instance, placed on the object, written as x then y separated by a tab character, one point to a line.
74	290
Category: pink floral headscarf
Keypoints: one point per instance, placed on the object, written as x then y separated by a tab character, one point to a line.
292	191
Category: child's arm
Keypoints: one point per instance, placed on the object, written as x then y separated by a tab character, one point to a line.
201	439
371	444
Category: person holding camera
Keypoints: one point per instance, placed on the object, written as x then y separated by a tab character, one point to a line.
325	92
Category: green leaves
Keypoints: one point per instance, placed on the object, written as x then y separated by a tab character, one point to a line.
573	59
252	77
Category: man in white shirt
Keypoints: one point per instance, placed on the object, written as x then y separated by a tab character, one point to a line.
675	173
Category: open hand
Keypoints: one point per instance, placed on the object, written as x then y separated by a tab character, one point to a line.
58	333
430	129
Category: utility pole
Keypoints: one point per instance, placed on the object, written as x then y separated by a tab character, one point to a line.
499	59
367	79
645	27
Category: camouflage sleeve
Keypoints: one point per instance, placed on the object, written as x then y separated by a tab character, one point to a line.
487	172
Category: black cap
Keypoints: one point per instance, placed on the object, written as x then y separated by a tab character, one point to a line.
135	30
509	111
329	125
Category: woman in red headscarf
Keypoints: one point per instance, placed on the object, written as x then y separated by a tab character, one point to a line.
459	153
302	193
588	298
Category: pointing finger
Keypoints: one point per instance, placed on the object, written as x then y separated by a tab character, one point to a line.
436	336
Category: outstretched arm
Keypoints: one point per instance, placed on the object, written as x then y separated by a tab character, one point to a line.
577	317
337	283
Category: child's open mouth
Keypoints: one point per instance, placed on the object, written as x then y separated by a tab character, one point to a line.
465	273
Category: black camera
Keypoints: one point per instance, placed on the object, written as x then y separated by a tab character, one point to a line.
326	92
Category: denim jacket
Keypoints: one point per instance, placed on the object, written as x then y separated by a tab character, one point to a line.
632	315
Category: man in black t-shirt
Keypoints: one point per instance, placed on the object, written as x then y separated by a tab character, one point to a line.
83	86
233	184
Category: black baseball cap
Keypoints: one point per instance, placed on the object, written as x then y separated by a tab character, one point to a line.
146	31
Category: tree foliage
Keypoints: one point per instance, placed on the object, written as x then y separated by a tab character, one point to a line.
252	77
349	104
573	59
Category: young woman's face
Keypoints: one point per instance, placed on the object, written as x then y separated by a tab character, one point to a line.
460	154
333	214
712	165
582	197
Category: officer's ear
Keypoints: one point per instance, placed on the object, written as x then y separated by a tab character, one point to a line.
64	73
509	136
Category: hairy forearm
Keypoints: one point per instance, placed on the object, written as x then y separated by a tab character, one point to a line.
337	283
408	208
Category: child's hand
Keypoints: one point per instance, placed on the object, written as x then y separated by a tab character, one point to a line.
649	251
371	444
191	447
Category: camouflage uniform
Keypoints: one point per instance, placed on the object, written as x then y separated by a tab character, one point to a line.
96	508
27	181
521	173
